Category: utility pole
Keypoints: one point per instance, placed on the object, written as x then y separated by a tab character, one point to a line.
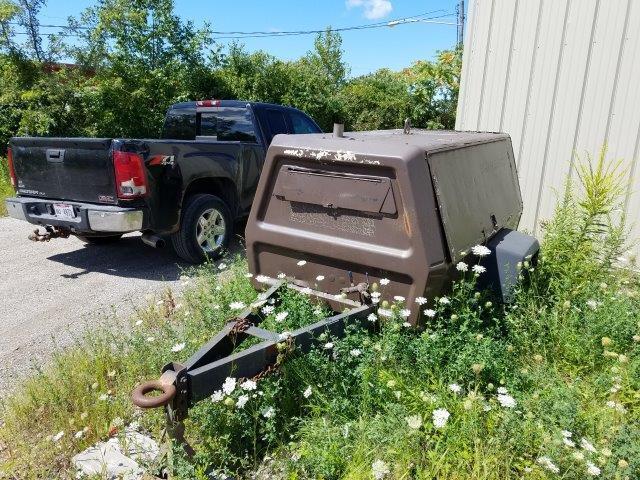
460	22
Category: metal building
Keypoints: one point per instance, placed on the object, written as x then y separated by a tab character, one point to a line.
560	76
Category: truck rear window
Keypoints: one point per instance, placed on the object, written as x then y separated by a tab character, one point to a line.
180	124
227	124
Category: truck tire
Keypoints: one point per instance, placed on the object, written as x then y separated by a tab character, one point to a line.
206	227
99	240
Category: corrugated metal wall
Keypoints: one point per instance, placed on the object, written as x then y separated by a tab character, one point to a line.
559	76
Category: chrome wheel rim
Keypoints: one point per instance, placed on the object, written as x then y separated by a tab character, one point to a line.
210	230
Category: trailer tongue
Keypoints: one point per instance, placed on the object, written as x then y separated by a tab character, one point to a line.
338	214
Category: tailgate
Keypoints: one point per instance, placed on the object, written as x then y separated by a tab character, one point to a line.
75	169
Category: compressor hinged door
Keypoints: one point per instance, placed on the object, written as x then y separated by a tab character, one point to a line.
335	190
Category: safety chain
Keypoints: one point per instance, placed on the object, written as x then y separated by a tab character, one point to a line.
286	348
51	232
241	325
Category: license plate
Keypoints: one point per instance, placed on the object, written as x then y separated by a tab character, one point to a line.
62	210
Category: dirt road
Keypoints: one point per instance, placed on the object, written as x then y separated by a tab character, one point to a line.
49	291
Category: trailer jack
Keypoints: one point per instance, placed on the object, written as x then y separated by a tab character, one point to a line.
182	385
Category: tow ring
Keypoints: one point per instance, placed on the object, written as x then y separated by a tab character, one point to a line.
139	395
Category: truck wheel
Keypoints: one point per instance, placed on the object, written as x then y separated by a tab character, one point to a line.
99	240
205	229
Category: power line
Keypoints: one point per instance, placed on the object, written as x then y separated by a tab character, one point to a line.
343	29
221	35
383	23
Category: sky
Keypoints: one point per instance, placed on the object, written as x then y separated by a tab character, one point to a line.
365	50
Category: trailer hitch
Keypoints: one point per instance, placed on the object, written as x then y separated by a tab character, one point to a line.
50	232
182	385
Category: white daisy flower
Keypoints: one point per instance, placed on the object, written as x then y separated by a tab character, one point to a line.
478	269
547	463
414	421
282	275
356	352
248	385
586	445
384	281
222	266
268	309
421	300
507	401
306	291
236	305
328	345
379	469
592	469
462	267
440	417
399	298
480	251
502	390
405	313
455	388
217	396
307	393
375	294
444	301
178	347
262	278
284	336
229	385
372	317
242	401
319	278
406	324
592	304
280	316
430	313
79	434
268	412
248	274
302	263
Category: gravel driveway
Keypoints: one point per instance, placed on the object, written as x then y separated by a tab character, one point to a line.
50	290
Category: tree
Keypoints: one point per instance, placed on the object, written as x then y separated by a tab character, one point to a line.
434	90
376	101
145	58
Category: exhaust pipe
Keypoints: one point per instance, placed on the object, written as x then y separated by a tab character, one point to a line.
153	240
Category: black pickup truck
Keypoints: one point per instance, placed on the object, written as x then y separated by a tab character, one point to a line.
191	185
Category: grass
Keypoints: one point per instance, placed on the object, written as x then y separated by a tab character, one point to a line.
6	190
515	380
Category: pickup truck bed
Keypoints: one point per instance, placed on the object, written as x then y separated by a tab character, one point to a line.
209	159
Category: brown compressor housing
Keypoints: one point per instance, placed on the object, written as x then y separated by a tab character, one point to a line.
336	211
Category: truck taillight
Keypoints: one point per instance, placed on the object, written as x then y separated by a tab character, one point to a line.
12	170
208	103
131	180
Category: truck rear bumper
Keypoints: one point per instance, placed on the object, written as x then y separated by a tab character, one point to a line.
88	218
